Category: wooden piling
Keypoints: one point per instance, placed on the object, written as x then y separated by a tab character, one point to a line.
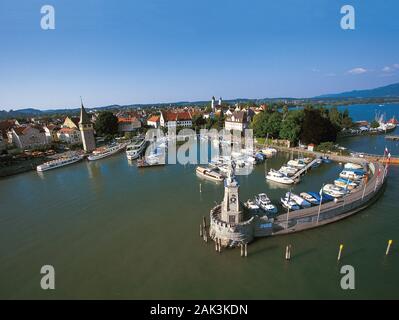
201	233
246	250
204	221
341	247
200	187
389	247
216	245
242	250
288	252
220	245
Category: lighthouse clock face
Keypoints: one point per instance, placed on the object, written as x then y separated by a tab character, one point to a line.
233	199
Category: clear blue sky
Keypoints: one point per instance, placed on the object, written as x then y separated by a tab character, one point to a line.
145	51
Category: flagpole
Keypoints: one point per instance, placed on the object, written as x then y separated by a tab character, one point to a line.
321	200
365	184
384	164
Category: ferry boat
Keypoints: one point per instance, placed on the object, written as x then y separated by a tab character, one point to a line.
209	174
352	174
298	200
104	152
297	163
309	198
136	148
279	177
351	165
334	191
345	183
263	201
59	163
289	204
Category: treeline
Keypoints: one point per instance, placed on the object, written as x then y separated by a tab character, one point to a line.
308	125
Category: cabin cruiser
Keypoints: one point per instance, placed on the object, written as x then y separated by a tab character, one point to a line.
263	201
334	191
309	198
209	174
289	204
136	148
345	183
64	161
269	152
298	200
288	171
323	197
252	206
297	163
107	151
352	174
279	177
355	166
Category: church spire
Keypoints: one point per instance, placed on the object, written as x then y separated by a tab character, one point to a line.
84	117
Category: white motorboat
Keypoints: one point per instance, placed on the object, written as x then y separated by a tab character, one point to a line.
136	148
288	171
298	200
252	206
263	201
61	162
279	177
352	175
309	198
351	165
345	183
334	191
289	204
104	152
297	163
210	174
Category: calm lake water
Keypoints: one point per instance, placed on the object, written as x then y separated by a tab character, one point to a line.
113	231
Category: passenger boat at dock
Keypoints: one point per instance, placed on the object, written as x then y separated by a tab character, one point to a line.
279	177
209	174
61	162
263	201
136	148
104	152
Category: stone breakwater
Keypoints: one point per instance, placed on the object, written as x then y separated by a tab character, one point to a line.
233	235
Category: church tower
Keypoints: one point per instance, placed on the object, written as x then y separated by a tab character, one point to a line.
220	101
213	104
231	207
86	130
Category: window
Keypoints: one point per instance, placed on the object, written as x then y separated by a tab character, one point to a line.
232	219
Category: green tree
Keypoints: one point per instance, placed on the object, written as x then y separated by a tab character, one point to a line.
291	126
106	124
317	128
374	124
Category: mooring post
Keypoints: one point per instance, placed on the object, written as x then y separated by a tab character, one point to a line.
288	252
242	249
341	247
201	233
200	187
220	245
216	245
246	250
204	221
389	247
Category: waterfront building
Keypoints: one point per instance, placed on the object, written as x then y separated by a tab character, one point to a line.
50	131
86	130
27	137
153	121
71	122
128	124
175	119
236	121
69	136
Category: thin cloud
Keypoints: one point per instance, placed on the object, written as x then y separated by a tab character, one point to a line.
357	71
387	69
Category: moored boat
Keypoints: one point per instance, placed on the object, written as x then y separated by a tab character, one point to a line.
61	162
334	191
136	148
345	183
263	201
209	174
289	204
309	198
297	163
107	151
298	200
352	174
351	165
279	177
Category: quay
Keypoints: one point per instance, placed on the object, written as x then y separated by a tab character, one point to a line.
231	226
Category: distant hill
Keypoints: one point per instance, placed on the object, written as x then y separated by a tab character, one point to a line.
390	91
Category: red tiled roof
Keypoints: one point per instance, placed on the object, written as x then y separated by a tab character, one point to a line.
154	118
127	120
67	130
176	116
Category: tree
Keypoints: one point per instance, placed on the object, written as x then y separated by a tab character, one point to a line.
316	128
106	123
267	122
291	126
198	121
374	124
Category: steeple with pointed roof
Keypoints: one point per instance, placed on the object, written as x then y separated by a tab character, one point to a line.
84	117
86	130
